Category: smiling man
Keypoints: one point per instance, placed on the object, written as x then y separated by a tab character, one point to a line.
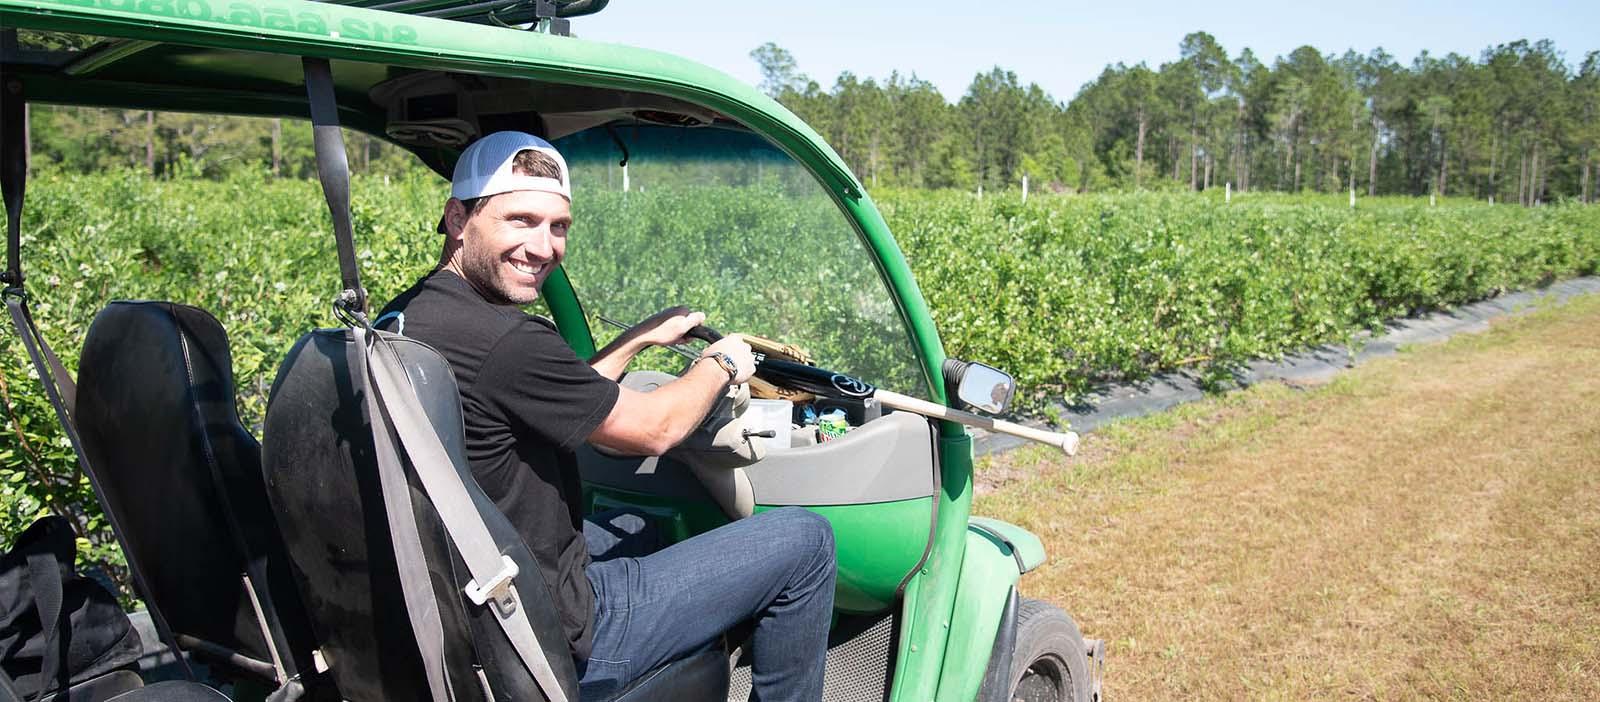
529	402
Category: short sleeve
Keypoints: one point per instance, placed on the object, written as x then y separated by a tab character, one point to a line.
543	388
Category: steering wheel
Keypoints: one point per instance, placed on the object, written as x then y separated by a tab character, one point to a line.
705	333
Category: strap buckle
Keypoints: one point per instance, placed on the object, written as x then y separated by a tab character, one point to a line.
498	589
350	308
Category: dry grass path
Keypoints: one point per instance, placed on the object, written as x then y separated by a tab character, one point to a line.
1424	527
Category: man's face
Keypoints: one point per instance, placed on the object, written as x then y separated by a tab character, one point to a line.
512	243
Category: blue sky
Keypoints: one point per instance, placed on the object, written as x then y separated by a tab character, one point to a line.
1062	45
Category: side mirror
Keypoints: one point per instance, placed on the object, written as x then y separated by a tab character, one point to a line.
978	386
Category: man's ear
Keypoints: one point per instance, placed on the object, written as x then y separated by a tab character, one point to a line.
455	218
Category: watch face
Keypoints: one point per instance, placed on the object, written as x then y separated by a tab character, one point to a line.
727	364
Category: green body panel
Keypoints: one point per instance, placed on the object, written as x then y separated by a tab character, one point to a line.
931	594
1029	549
877	545
988	572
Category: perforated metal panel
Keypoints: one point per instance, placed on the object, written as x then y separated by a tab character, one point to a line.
858	668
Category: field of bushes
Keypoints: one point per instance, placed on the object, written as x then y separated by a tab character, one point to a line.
1062	291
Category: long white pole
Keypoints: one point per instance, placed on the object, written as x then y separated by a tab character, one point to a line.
1066	441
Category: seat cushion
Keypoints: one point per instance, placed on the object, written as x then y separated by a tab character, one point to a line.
322	479
105	687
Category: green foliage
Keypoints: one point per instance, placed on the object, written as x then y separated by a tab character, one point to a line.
755	259
253	251
1062	291
1065	292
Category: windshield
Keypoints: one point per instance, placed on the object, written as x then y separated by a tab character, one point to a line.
718	219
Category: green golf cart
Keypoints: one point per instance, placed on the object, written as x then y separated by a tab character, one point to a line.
689	188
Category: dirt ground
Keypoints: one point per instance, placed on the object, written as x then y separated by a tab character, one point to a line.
1423	527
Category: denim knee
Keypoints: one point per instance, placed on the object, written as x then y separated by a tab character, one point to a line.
808	528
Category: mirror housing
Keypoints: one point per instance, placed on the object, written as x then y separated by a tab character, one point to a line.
979	386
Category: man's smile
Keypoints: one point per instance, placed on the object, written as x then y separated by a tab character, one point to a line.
533	269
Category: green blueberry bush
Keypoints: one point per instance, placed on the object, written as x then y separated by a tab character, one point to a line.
1064	292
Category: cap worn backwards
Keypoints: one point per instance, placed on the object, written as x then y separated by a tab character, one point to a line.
485	168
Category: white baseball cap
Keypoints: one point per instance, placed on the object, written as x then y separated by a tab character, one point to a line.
485	168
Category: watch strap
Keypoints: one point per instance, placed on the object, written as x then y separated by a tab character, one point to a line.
723	361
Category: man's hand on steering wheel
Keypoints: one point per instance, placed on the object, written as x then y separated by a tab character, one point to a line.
737	349
667	327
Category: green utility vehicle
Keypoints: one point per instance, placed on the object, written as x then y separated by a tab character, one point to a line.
661	150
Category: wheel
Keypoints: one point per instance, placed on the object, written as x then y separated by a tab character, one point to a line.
1049	662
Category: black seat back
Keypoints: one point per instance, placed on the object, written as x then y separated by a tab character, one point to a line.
182	476
322	477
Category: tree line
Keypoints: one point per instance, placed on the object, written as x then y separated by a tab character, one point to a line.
180	145
1516	124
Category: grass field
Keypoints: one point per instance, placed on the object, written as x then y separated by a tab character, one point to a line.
1426	526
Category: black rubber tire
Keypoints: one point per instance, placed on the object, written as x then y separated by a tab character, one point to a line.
1049	663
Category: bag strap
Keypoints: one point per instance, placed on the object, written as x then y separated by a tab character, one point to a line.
58	386
8	689
493	573
44	575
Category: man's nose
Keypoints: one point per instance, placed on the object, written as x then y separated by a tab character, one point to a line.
538	242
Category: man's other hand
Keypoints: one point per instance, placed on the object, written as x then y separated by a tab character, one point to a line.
737	349
650	423
667	327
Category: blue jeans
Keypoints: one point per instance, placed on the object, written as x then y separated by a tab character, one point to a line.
775	568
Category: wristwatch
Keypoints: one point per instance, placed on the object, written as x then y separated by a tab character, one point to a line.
723	360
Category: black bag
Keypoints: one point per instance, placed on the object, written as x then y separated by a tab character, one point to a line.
57	628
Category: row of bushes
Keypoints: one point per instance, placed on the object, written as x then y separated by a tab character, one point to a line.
1069	292
1064	292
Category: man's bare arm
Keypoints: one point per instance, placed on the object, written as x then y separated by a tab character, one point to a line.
665	327
612	360
650	423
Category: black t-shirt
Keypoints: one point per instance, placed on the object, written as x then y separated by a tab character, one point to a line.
528	403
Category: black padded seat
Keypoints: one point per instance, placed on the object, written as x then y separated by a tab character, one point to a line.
172	691
182	476
322	478
104	687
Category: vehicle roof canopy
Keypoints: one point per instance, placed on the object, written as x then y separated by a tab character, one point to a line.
428	85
